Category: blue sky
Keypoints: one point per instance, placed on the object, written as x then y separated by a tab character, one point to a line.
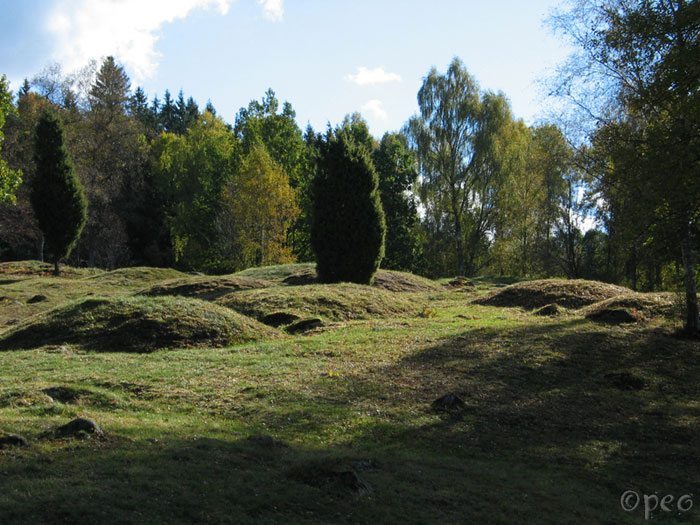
328	58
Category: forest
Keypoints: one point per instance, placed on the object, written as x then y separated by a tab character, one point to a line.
609	192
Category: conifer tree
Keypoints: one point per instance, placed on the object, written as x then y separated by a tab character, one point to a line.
348	227
57	197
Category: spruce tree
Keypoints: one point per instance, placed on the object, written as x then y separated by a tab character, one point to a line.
348	224
57	197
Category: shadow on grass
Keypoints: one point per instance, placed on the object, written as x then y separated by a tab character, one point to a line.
206	480
618	405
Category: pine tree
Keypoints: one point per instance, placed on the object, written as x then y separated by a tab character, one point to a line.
348	225
168	114
57	197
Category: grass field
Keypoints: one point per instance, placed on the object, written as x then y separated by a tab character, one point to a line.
560	416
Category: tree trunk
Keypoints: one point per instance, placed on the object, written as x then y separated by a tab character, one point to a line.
41	248
458	234
691	296
56	269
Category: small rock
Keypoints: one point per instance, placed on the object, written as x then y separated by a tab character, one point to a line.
12	440
448	403
36	299
624	381
277	319
351	480
266	441
77	426
304	325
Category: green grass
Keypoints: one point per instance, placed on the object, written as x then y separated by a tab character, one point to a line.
546	436
336	302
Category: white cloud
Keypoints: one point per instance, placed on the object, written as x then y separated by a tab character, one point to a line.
375	109
126	29
366	76
272	9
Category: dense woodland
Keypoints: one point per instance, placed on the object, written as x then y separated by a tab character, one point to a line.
465	187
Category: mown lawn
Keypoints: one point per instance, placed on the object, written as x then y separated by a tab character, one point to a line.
561	416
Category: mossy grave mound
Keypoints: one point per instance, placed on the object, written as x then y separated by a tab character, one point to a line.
207	288
136	324
574	294
631	307
336	302
135	276
276	272
305	274
38	268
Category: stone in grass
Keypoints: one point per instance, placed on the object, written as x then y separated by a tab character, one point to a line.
352	481
337	478
36	299
304	325
550	310
448	403
79	428
278	319
624	381
12	440
266	441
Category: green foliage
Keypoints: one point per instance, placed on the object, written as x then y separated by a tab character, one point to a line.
348	223
57	197
397	170
461	161
261	123
9	179
260	206
641	87
189	174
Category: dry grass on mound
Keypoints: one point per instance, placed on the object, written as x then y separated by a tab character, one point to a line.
639	305
337	302
206	288
135	276
383	279
136	324
573	294
42	269
305	274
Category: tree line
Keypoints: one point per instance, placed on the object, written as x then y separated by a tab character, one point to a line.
170	184
463	188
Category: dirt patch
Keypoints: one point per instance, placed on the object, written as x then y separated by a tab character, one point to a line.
206	288
572	294
136	324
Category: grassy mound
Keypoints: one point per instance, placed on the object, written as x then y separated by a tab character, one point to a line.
338	302
304	274
639	305
207	288
135	324
403	282
38	268
135	276
574	294
277	272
